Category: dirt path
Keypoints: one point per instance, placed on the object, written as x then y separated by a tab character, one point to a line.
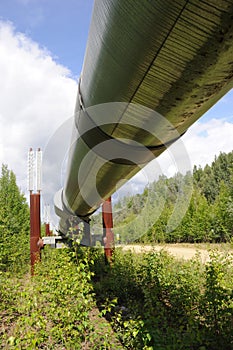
178	250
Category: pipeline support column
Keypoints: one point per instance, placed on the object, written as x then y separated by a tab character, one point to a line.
34	171
35	238
108	235
47	220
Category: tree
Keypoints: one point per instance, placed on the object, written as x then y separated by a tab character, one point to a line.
209	178
159	213
14	223
223	214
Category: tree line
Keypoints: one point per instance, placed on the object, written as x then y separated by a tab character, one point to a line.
157	215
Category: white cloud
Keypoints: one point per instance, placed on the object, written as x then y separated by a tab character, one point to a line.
204	140
199	146
37	95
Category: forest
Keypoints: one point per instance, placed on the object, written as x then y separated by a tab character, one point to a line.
141	301
204	198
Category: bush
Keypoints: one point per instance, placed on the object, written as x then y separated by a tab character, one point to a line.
53	308
152	301
163	303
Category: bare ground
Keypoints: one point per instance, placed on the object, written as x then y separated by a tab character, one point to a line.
180	251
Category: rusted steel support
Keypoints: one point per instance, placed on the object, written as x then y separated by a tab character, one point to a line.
35	238
47	230
108	235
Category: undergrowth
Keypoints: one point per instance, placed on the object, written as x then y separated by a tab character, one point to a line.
147	301
55	309
163	303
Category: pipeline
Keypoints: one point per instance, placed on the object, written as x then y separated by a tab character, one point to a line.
151	69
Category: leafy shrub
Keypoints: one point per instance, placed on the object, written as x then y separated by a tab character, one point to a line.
152	301
164	303
53	308
217	303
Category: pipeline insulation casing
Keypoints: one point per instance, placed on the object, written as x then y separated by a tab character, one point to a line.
168	57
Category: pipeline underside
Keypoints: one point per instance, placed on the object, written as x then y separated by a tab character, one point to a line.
151	69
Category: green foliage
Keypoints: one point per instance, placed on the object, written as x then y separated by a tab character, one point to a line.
69	303
157	215
54	309
196	224
154	301
14	224
209	178
217	308
223	214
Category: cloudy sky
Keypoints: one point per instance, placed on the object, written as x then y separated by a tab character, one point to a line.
42	45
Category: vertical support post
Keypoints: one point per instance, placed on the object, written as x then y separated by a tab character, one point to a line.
36	242
47	220
87	233
108	234
34	229
47	230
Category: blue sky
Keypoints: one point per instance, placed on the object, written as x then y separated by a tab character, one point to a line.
222	109
60	26
42	47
